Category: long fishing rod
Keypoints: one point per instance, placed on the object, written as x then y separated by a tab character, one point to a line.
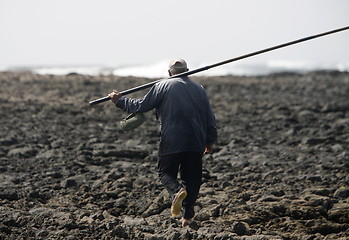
148	85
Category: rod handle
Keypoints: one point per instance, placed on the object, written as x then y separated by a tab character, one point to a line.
99	100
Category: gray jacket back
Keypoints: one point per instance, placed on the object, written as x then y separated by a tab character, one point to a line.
187	122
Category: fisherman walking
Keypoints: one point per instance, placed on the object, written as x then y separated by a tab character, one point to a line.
188	130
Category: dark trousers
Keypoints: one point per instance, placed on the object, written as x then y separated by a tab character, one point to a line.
189	166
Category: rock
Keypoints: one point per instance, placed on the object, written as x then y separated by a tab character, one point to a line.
321	191
8	141
328	228
278	193
222	236
34	194
86	219
9	194
337	148
24	152
10	222
246	196
41	211
313	141
240	228
305	212
172	235
63	219
203	215
342	192
314	178
269	198
341	122
5	230
306	113
50	154
339	213
159	204
262	237
69	182
16	181
120	232
134	221
279	209
316	200
114	175
122	153
215	211
56	175
56	187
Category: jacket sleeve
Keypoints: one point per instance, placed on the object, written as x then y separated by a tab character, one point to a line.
150	101
211	137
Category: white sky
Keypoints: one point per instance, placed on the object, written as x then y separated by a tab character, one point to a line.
87	32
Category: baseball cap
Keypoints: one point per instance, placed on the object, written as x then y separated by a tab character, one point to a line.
177	66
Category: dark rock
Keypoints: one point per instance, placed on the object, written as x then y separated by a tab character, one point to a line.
244	196
8	141
278	209
72	74
57	187
9	194
269	199
114	175
313	141
314	178
159	204
339	213
5	230
10	222
122	153
120	232
321	191
278	193
121	202
342	192
67	183
329	228
24	152
54	174
304	212
34	194
16	180
203	216
240	228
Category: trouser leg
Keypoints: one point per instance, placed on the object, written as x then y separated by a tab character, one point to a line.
191	175
190	166
168	167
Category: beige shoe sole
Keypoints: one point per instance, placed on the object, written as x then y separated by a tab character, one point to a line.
177	203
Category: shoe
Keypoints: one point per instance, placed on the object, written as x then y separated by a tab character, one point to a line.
177	202
187	222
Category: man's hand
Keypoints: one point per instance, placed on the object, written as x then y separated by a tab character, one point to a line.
114	96
208	149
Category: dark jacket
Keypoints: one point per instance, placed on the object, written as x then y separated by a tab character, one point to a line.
183	109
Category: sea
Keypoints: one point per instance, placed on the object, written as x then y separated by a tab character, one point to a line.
159	69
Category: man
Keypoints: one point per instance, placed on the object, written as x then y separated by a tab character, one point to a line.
188	130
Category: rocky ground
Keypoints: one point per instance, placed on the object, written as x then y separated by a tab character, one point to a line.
279	170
